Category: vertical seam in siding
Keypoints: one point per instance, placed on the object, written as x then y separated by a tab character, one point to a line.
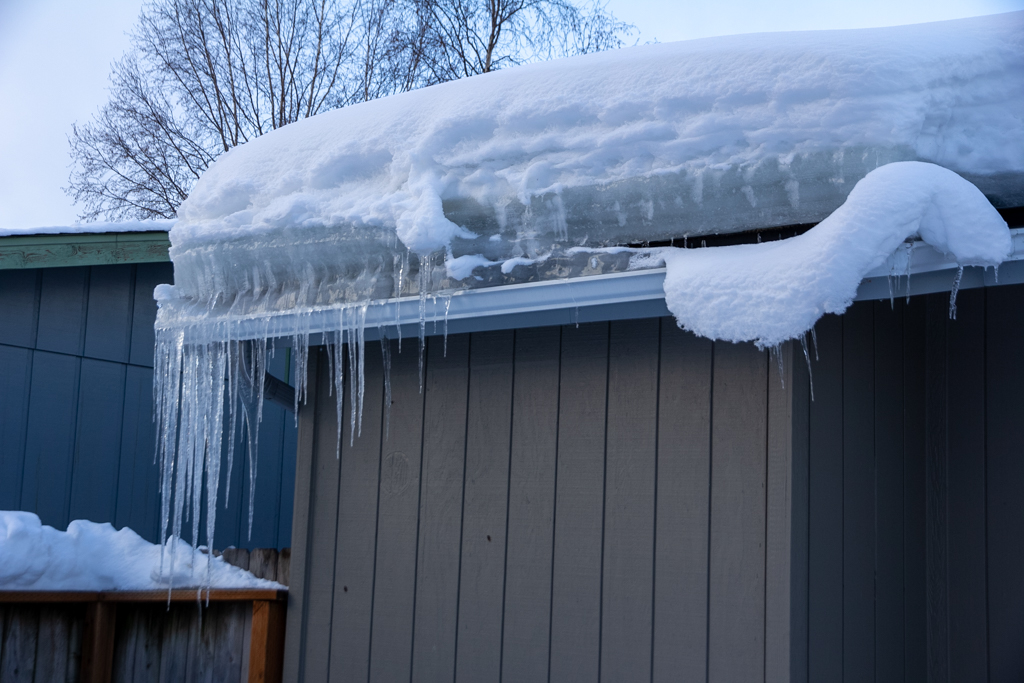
376	528
767	502
508	502
419	508
604	499
554	502
340	396
984	470
654	532
711	465
462	505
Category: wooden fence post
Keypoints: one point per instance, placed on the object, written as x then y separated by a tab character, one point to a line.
266	643
98	642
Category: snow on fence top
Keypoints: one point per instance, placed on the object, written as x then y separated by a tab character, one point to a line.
527	174
644	143
95	557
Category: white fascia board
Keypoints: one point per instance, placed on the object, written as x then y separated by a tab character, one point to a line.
615	296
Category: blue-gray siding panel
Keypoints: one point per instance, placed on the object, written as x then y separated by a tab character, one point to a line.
77	438
98	442
50	442
19	307
15	381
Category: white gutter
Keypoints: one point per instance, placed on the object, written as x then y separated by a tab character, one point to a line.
616	296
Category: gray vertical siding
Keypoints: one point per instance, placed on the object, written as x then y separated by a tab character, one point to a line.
604	502
915	474
76	396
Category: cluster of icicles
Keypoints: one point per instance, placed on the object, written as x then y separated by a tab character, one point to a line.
209	388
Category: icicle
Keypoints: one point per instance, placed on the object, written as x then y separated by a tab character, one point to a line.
807	358
995	272
814	340
361	370
423	316
447	305
953	293
385	349
336	350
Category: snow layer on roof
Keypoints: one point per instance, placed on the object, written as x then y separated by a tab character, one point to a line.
91	228
638	144
95	557
775	291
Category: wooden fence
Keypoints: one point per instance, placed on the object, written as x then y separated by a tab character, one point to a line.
94	637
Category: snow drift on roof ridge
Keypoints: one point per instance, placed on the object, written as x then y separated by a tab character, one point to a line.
771	292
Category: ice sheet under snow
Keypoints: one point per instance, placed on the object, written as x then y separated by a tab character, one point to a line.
95	557
639	144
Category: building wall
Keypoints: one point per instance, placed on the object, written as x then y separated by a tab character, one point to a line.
624	501
916	468
609	501
76	393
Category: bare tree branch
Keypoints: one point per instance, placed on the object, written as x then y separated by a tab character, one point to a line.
206	75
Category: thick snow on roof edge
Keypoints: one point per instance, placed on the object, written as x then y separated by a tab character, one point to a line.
95	557
776	291
645	143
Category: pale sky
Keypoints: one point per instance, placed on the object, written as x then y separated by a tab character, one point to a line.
55	56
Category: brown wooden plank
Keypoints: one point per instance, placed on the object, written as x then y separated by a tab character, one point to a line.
579	504
357	531
174	637
397	520
531	505
284	565
630	478
74	664
126	646
303	508
437	567
52	644
230	656
684	462
98	642
236	557
266	644
737	555
482	569
263	563
18	653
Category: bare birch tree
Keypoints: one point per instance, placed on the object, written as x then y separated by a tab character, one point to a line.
206	75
